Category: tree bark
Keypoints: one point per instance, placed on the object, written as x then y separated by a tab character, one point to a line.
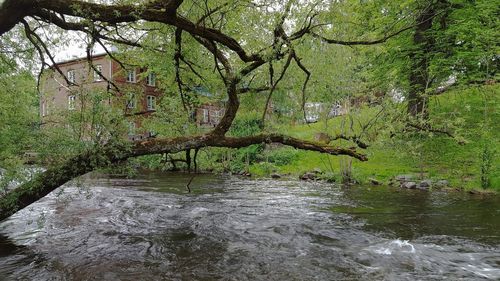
188	160
419	72
11	13
195	160
424	43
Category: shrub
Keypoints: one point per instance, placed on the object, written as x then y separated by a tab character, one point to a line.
281	156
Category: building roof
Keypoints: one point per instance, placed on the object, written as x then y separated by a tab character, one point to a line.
101	53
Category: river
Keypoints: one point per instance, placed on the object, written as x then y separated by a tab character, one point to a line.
228	228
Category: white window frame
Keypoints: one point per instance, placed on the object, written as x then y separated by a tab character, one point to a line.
72	102
206	114
151	79
71	75
131	76
97	77
150	102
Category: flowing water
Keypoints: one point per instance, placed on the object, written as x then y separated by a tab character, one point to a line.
150	228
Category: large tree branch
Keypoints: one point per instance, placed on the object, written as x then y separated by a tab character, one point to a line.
177	64
360	42
86	27
231	82
88	161
355	139
12	12
429	129
289	141
253	90
274	85
113	14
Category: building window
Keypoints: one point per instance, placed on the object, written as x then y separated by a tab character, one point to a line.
97	70
151	79
131	128
71	76
205	115
131	76
71	102
151	102
130	101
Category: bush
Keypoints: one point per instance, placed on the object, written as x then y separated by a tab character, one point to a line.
281	156
246	125
247	155
263	169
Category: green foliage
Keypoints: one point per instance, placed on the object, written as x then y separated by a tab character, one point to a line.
151	162
466	36
463	40
246	125
280	156
263	169
18	118
245	156
170	120
470	114
92	124
486	163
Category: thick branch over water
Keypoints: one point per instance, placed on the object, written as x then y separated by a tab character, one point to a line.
54	177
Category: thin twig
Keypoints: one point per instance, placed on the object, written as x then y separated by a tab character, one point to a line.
188	186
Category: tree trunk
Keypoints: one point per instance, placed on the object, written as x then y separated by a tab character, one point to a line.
419	72
195	159
54	177
188	160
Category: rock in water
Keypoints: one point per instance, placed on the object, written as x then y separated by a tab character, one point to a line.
409	185
442	183
425	184
308	176
404	178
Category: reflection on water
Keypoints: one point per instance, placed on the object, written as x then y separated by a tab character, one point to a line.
150	228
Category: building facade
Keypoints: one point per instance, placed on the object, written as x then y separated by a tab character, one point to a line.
137	91
315	110
209	114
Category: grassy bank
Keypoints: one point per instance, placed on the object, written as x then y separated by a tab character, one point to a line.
472	115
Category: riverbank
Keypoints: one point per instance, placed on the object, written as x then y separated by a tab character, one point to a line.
472	155
467	157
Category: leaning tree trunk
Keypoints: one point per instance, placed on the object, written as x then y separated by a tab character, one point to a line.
54	177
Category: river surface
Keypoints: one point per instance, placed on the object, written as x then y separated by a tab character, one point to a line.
227	228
